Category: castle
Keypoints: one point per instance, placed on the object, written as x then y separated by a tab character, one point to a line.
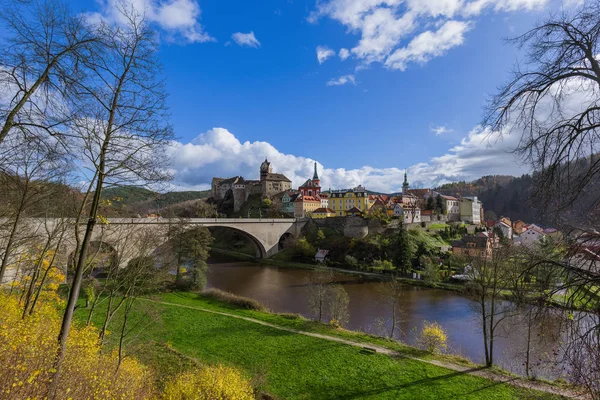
269	184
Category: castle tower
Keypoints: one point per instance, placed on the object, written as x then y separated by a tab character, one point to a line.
265	169
405	185
315	178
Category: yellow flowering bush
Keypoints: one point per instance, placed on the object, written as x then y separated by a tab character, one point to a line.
209	383
28	347
433	337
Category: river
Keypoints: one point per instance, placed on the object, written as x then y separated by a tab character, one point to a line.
287	290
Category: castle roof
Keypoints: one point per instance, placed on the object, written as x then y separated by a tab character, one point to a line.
310	183
276	177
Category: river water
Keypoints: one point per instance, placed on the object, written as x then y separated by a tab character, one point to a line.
287	290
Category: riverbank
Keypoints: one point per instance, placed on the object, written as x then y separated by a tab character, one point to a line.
296	358
321	267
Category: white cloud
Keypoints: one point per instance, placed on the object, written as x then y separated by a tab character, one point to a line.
439	130
344	54
429	44
342	80
219	153
177	18
246	39
383	25
323	53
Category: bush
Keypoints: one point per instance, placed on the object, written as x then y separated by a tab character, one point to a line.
383	265
350	261
433	337
209	383
28	348
234	300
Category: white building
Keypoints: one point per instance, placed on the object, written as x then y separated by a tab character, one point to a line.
505	228
532	235
410	214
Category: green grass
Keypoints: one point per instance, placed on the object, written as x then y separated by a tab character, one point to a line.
294	366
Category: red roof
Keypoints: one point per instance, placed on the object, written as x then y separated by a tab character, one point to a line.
490	223
426	212
449	198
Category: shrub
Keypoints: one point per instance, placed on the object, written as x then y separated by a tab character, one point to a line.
234	300
350	261
383	265
209	383
28	347
433	337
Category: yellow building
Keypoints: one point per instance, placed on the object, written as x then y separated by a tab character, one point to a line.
321	213
345	199
305	205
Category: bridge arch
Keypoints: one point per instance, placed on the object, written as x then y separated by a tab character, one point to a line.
261	251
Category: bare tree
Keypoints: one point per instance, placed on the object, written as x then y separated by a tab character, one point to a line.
487	279
337	302
41	50
28	169
553	103
391	292
317	293
123	132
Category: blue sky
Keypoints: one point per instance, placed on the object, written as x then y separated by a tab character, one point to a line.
245	82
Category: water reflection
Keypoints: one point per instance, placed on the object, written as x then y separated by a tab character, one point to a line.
287	290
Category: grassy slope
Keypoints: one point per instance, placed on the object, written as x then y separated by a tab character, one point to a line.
298	366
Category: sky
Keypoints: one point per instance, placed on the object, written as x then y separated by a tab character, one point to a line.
368	89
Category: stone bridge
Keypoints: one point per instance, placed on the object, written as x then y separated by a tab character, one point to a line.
124	235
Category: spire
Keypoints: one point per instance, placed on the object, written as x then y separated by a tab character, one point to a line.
315	176
405	185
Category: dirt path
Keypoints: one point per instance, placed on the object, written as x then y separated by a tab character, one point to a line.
481	371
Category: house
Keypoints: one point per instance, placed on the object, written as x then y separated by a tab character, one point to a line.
470	210
532	235
287	202
452	207
398	210
426	215
354	212
505	227
321	254
305	205
343	200
321	213
324	200
518	227
411	214
473	246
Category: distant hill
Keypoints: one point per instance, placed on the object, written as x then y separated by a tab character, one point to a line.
132	200
501	195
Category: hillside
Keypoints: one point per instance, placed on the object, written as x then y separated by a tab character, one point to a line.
128	200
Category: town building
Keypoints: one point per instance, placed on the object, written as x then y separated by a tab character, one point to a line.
324	199
505	226
321	213
354	212
470	210
452	206
473	246
519	227
345	199
532	235
305	205
312	187
287	202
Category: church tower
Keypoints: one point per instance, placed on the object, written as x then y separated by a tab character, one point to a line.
405	185
316	180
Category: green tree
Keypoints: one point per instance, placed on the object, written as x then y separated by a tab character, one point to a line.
430	203
403	250
440	204
431	272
